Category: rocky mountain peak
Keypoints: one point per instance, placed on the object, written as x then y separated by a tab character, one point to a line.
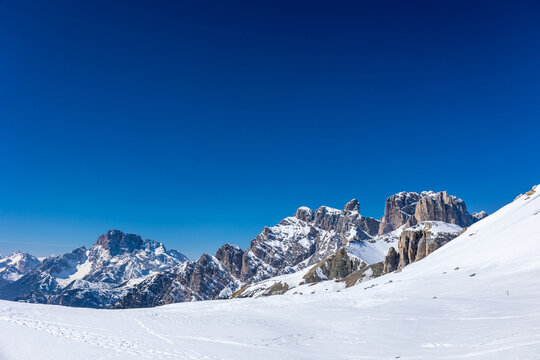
410	208
397	210
116	242
353	205
441	206
479	215
305	214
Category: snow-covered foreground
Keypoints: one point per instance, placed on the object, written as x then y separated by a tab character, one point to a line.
476	297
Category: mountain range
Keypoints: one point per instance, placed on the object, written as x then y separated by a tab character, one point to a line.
310	248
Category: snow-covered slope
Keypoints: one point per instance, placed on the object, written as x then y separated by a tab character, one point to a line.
476	297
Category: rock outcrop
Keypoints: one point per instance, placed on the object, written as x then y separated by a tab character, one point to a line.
479	215
410	208
336	266
441	207
231	256
391	261
399	208
365	273
418	241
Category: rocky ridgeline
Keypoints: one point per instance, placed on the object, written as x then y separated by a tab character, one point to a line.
124	271
414	223
303	240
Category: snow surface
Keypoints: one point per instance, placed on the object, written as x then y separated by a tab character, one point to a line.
474	298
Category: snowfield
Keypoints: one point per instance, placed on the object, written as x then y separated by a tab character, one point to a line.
477	297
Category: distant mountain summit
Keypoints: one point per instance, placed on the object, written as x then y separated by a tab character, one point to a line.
16	265
125	271
93	277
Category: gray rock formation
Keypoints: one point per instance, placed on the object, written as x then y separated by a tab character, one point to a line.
418	241
399	208
352	205
441	207
479	215
365	273
410	208
231	256
336	266
391	261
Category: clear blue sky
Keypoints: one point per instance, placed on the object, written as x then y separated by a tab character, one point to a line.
198	123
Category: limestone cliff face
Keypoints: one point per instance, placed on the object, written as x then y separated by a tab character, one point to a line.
441	207
417	242
398	210
410	208
231	256
391	261
408	246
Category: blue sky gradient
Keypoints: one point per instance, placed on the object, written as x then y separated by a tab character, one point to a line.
198	123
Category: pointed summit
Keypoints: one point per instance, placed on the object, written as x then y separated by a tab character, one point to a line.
353	205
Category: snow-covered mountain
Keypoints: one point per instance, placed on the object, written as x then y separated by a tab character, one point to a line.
16	265
123	270
310	236
94	277
361	260
475	297
310	247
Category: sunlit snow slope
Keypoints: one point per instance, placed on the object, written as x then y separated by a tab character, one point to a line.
476	297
